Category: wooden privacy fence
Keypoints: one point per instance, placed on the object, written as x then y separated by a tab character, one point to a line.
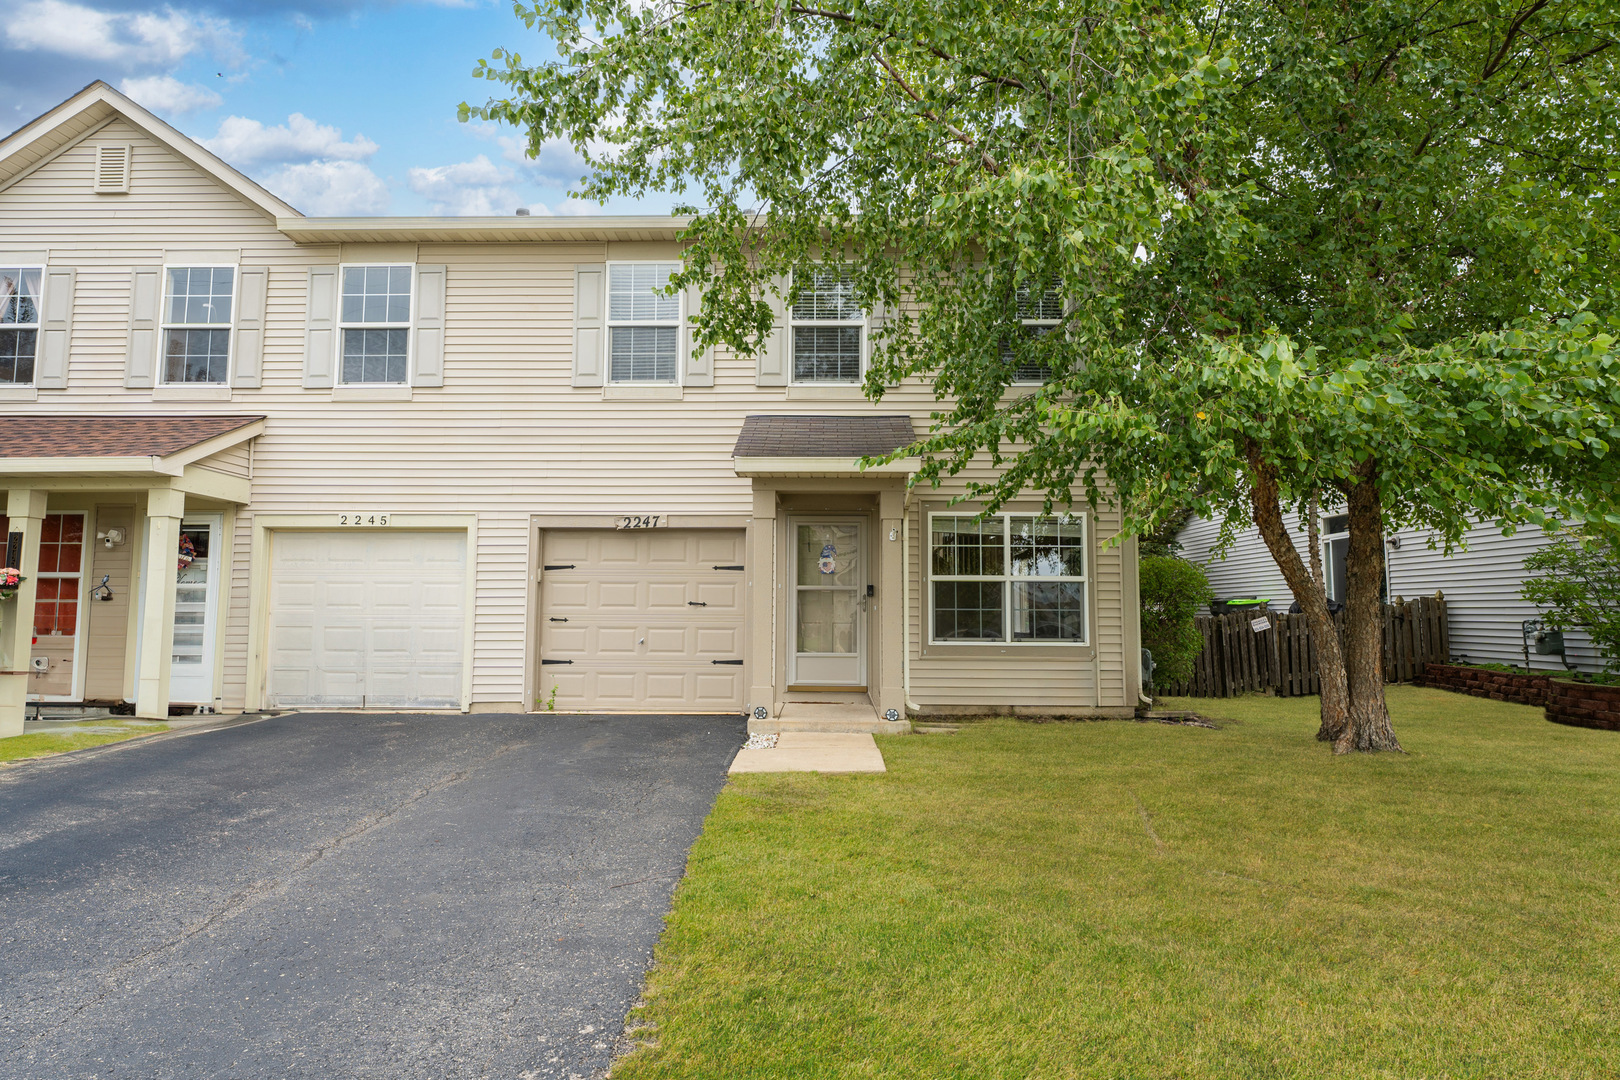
1280	656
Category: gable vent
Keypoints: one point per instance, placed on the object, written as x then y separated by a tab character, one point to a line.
112	167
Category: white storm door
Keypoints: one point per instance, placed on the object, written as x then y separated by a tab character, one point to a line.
196	606
827	620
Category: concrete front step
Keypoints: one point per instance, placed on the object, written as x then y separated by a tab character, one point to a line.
67	713
831	719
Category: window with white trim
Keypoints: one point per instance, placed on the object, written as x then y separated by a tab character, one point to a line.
197	306
1039	315
19	324
1007	578
374	317
644	324
828	327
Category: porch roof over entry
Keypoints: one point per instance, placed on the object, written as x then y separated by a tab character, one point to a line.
811	445
143	448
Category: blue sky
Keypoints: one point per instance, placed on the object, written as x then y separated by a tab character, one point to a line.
338	107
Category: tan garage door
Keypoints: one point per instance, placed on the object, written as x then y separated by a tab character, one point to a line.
642	620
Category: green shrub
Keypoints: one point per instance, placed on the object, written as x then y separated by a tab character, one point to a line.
1173	591
1579	586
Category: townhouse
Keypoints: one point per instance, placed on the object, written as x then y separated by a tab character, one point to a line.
253	459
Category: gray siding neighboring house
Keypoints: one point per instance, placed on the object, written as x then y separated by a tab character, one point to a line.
1481	584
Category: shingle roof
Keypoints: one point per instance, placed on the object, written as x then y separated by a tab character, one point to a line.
110	436
822	436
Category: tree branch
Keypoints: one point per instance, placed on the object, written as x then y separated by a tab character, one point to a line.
956	133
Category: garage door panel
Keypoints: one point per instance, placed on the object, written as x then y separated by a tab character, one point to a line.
666	595
719	547
367	619
636	639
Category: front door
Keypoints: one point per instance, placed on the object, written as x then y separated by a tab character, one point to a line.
196	596
828	616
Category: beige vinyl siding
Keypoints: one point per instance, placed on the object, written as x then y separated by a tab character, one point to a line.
107	628
506	437
500	606
233	632
236	461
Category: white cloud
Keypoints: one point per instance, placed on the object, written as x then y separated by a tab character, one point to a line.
478	186
166	94
330	188
558	162
566	208
141	39
245	143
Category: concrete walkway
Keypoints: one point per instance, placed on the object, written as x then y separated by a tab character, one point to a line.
806	751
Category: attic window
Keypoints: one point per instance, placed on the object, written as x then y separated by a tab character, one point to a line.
112	167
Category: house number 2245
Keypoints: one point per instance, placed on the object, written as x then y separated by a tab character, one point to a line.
362	519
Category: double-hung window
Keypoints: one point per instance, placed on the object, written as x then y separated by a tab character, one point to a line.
375	318
197	324
644	323
19	324
1039	312
1012	578
828	328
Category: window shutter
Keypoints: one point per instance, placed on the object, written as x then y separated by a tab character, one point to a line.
56	329
590	282
774	356
140	355
248	355
320	327
699	369
112	167
428	323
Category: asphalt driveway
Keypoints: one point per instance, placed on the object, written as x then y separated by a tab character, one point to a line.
345	895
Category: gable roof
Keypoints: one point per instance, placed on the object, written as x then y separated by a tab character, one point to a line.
86	112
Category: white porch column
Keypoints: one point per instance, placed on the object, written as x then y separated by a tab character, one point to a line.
26	509
891	567
164	509
762	601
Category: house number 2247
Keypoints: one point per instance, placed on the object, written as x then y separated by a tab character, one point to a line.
362	519
641	521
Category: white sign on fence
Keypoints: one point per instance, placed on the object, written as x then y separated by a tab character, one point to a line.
1260	624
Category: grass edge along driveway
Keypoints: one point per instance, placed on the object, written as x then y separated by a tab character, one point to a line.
1138	900
78	736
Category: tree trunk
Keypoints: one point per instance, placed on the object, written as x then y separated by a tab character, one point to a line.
1313	545
1267	505
1369	728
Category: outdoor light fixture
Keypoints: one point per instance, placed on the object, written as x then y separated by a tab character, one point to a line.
892	715
761	712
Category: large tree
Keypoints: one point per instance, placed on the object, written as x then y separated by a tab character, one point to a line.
1352	255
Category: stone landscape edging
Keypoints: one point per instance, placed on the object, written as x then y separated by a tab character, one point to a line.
1580	704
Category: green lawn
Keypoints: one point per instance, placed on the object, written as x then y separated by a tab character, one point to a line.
76	737
1139	900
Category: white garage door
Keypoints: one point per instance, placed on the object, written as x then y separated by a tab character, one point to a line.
646	621
367	619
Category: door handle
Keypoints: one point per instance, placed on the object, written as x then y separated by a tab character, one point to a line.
697	603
